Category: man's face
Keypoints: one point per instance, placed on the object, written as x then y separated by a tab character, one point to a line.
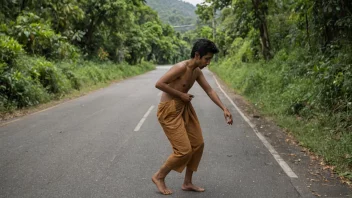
205	60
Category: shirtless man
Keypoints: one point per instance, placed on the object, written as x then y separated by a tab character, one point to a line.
178	119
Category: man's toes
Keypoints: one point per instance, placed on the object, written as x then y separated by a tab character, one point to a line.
166	192
201	189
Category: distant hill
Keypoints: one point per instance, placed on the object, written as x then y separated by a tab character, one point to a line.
174	12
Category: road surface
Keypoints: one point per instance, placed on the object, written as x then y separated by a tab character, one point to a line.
109	143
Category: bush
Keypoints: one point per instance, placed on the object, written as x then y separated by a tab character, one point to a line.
20	91
39	38
10	49
34	80
295	84
69	70
51	77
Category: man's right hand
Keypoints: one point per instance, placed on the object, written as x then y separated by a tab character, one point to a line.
185	97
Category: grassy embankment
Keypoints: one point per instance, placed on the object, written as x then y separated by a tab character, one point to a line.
37	83
283	89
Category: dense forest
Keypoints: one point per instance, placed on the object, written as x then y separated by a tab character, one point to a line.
50	48
292	59
175	12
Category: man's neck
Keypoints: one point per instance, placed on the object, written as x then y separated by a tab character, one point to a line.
192	64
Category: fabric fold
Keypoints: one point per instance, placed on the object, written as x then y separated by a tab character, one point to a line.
181	126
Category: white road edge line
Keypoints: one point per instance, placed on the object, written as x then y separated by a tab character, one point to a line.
271	149
143	119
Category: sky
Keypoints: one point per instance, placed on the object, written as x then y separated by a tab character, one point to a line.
194	2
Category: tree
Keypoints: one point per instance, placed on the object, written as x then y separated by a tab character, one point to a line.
260	11
247	14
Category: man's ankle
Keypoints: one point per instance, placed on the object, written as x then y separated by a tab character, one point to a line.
159	175
186	183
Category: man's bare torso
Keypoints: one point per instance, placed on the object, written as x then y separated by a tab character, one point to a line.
183	83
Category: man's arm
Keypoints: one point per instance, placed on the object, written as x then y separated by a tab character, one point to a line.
171	75
213	96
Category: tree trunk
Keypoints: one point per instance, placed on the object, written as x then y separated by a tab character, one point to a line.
214	24
23	5
214	29
92	26
265	40
90	31
307	28
263	29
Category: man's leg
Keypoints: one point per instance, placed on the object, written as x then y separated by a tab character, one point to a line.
177	161
170	118
188	185
159	180
195	136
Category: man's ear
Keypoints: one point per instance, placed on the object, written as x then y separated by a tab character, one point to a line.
197	55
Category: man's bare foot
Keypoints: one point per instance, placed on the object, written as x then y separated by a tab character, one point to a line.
191	187
160	184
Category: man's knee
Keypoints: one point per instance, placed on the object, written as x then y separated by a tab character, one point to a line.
186	152
200	145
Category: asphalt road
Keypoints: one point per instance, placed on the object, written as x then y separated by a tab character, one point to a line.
89	147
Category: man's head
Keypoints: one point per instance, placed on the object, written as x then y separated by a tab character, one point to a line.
203	51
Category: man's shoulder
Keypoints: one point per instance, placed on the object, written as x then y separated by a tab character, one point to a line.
199	71
180	66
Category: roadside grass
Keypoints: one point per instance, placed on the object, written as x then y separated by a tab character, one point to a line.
278	93
71	80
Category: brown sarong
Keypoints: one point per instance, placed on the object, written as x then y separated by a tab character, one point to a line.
181	126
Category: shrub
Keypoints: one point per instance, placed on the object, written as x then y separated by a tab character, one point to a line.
20	90
39	38
48	75
10	49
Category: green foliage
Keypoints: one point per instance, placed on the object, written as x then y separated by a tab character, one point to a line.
10	49
242	47
69	69
68	45
206	32
38	38
60	32
20	91
174	12
64	30
36	80
306	86
45	72
285	90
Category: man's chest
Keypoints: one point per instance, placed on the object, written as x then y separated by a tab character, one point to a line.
188	79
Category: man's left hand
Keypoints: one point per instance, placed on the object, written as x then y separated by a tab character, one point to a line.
228	117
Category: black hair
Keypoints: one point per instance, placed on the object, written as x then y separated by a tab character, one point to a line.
204	46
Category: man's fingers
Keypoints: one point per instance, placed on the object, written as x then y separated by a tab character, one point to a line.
228	118
190	97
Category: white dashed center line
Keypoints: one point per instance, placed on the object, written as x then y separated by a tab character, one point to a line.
143	119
